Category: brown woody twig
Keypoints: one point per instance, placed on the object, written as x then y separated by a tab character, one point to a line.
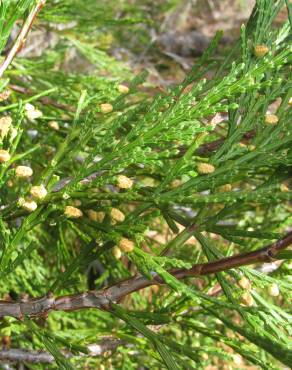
20	40
103	298
24	355
44	99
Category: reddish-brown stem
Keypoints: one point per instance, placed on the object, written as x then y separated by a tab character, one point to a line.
101	299
20	40
210	147
44	99
266	254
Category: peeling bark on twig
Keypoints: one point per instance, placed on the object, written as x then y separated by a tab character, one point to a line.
103	298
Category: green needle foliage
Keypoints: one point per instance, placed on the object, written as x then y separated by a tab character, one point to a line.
103	178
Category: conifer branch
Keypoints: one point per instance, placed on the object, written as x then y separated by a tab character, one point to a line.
81	192
103	298
21	38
